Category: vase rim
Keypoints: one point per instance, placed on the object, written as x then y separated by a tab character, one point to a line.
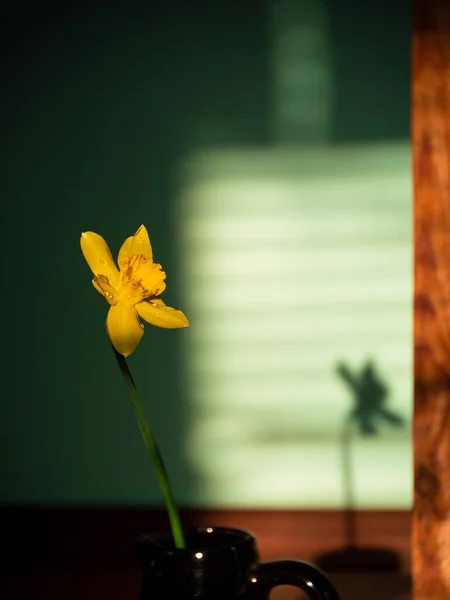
224	538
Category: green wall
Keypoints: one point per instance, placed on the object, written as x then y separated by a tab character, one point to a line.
100	108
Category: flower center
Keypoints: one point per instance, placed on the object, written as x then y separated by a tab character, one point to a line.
140	278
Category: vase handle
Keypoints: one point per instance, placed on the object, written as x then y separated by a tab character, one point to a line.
309	579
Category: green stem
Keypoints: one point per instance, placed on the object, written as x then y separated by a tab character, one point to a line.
153	450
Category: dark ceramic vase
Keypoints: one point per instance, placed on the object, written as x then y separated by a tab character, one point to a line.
221	564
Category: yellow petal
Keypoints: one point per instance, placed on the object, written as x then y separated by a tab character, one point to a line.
124	328
98	256
101	284
157	313
139	243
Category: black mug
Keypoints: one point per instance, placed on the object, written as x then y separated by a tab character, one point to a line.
221	563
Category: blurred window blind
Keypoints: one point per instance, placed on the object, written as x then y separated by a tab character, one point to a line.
293	261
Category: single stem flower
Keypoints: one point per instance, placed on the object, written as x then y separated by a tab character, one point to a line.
134	290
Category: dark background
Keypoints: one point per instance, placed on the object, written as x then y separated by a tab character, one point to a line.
99	105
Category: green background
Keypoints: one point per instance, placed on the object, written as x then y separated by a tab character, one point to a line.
101	109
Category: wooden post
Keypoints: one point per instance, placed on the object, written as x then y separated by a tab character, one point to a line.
431	162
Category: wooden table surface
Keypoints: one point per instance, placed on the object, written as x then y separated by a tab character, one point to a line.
123	584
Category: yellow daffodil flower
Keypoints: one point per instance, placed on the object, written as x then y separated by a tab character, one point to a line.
133	290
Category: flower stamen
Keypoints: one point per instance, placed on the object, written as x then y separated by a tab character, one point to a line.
140	278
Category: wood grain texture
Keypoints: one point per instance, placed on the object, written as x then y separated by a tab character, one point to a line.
431	164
